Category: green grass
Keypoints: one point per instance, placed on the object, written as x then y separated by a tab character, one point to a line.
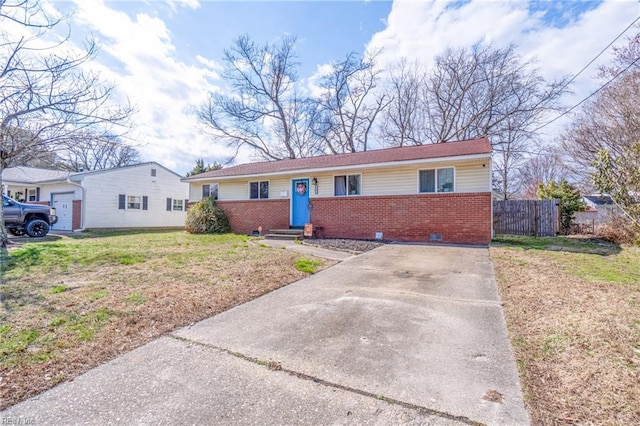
59	289
97	295
112	248
588	259
307	265
136	298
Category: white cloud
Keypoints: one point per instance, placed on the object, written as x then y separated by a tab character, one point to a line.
137	53
422	30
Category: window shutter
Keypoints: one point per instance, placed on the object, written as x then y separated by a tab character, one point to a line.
122	199
38	194
169	204
145	202
185	204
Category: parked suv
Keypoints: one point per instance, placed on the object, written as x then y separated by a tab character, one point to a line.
31	219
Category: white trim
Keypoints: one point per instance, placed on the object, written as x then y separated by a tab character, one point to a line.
249	189
435	169
347	194
456	158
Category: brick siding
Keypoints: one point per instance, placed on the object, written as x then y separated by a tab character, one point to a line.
463	218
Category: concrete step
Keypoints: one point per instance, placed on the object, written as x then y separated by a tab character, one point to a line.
286	231
279	236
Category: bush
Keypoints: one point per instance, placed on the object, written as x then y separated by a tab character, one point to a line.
618	230
205	217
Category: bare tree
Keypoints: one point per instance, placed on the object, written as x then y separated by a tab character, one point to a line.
403	119
541	169
349	105
603	141
46	99
92	153
262	111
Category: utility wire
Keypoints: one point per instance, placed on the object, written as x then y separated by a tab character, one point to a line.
601	52
585	99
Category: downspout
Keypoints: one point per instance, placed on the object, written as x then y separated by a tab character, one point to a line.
81	205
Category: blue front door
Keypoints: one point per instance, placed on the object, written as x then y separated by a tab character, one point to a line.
299	202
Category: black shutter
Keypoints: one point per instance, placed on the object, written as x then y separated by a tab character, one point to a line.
185	205
145	202
122	199
168	204
38	194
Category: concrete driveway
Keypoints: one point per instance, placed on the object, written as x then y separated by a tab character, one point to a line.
403	334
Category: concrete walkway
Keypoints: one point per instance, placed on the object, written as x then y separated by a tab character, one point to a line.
398	335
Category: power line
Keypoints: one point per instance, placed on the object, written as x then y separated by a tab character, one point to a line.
583	69
601	52
585	99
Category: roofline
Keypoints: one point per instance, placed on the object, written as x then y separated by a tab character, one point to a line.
348	167
33	182
78	176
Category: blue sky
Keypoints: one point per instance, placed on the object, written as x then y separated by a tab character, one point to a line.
165	55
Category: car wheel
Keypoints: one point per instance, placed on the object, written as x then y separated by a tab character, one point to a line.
37	228
17	232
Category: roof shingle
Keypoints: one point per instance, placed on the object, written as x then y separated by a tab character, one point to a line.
440	150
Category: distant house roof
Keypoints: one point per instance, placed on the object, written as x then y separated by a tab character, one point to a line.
472	147
80	175
599	200
31	175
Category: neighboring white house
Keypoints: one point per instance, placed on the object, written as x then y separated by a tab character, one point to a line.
145	195
602	204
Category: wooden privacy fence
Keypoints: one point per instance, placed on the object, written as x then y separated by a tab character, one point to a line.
526	217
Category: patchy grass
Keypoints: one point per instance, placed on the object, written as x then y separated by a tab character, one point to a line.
308	265
68	304
573	310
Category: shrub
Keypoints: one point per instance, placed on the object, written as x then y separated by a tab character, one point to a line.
618	230
569	198
205	217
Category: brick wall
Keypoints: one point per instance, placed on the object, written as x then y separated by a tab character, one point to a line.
76	215
463	218
246	216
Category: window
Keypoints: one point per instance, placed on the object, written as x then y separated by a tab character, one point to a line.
436	180
210	191
33	195
346	185
258	190
153	172
134	202
178	205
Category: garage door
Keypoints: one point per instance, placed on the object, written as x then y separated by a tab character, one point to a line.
64	209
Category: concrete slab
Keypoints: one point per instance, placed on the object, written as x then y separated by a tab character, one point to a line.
420	324
419	327
308	250
171	381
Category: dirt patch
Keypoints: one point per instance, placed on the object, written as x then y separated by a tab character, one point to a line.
350	246
577	341
59	321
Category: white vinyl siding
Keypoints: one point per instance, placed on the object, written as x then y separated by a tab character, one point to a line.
102	191
470	176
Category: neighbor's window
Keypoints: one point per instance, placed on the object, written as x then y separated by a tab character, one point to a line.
178	205
258	190
210	191
346	185
33	195
153	172
134	202
436	180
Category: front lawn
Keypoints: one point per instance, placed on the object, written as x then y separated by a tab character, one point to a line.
573	312
72	303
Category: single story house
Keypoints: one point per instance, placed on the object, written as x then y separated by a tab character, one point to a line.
145	195
439	192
